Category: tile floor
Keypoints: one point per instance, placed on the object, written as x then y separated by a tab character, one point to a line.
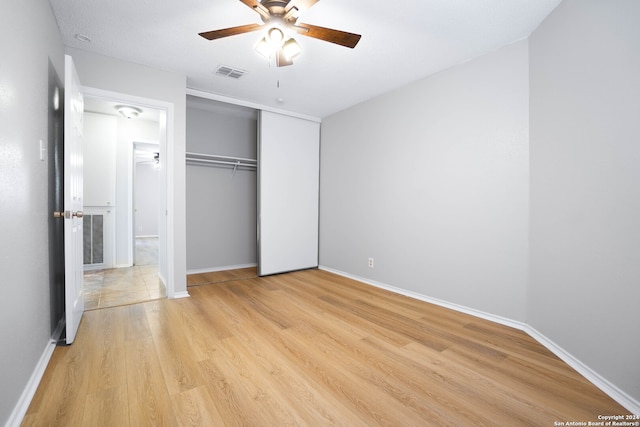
123	286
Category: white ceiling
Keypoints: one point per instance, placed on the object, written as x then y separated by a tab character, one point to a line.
402	41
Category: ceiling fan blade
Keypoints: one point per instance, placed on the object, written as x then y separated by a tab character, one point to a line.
226	32
258	7
327	34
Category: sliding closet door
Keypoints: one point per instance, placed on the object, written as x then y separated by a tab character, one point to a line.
288	191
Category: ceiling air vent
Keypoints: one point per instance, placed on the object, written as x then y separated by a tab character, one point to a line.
231	72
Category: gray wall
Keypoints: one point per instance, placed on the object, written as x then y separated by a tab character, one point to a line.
432	182
24	310
221	207
585	185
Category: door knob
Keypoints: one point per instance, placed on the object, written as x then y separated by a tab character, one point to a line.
68	214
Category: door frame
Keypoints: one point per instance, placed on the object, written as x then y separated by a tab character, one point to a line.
167	143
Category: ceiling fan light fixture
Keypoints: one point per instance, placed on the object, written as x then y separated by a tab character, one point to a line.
275	36
291	49
264	48
282	60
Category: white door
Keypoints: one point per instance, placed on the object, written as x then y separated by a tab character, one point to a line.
288	192
73	111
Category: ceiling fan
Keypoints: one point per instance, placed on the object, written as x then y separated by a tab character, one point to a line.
279	18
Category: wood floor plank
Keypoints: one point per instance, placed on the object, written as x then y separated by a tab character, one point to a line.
232	400
205	326
149	402
180	368
137	323
108	365
220	276
107	407
193	408
267	400
305	348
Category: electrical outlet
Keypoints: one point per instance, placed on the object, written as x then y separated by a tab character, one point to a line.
370	262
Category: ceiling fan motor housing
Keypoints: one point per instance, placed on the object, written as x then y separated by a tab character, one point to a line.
278	12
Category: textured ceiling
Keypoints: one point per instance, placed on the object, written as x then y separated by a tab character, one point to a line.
402	41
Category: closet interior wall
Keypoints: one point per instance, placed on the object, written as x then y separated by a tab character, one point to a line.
221	201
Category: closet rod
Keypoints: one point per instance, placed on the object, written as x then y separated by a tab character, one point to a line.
200	156
222	162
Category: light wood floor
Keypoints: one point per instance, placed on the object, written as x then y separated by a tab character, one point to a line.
305	348
221	276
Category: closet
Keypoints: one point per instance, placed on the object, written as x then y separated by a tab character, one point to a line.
220	193
251	189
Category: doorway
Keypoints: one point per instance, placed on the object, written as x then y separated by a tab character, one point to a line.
117	276
146	203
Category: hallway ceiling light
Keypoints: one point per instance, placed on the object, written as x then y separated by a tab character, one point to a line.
82	38
128	111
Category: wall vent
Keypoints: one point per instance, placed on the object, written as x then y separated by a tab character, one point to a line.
226	71
93	234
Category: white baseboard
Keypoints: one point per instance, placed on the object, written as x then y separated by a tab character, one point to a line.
223	268
20	410
184	294
125	265
606	386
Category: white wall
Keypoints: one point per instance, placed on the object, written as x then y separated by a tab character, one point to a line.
99	150
585	185
24	270
147	188
221	206
432	182
99	156
101	72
